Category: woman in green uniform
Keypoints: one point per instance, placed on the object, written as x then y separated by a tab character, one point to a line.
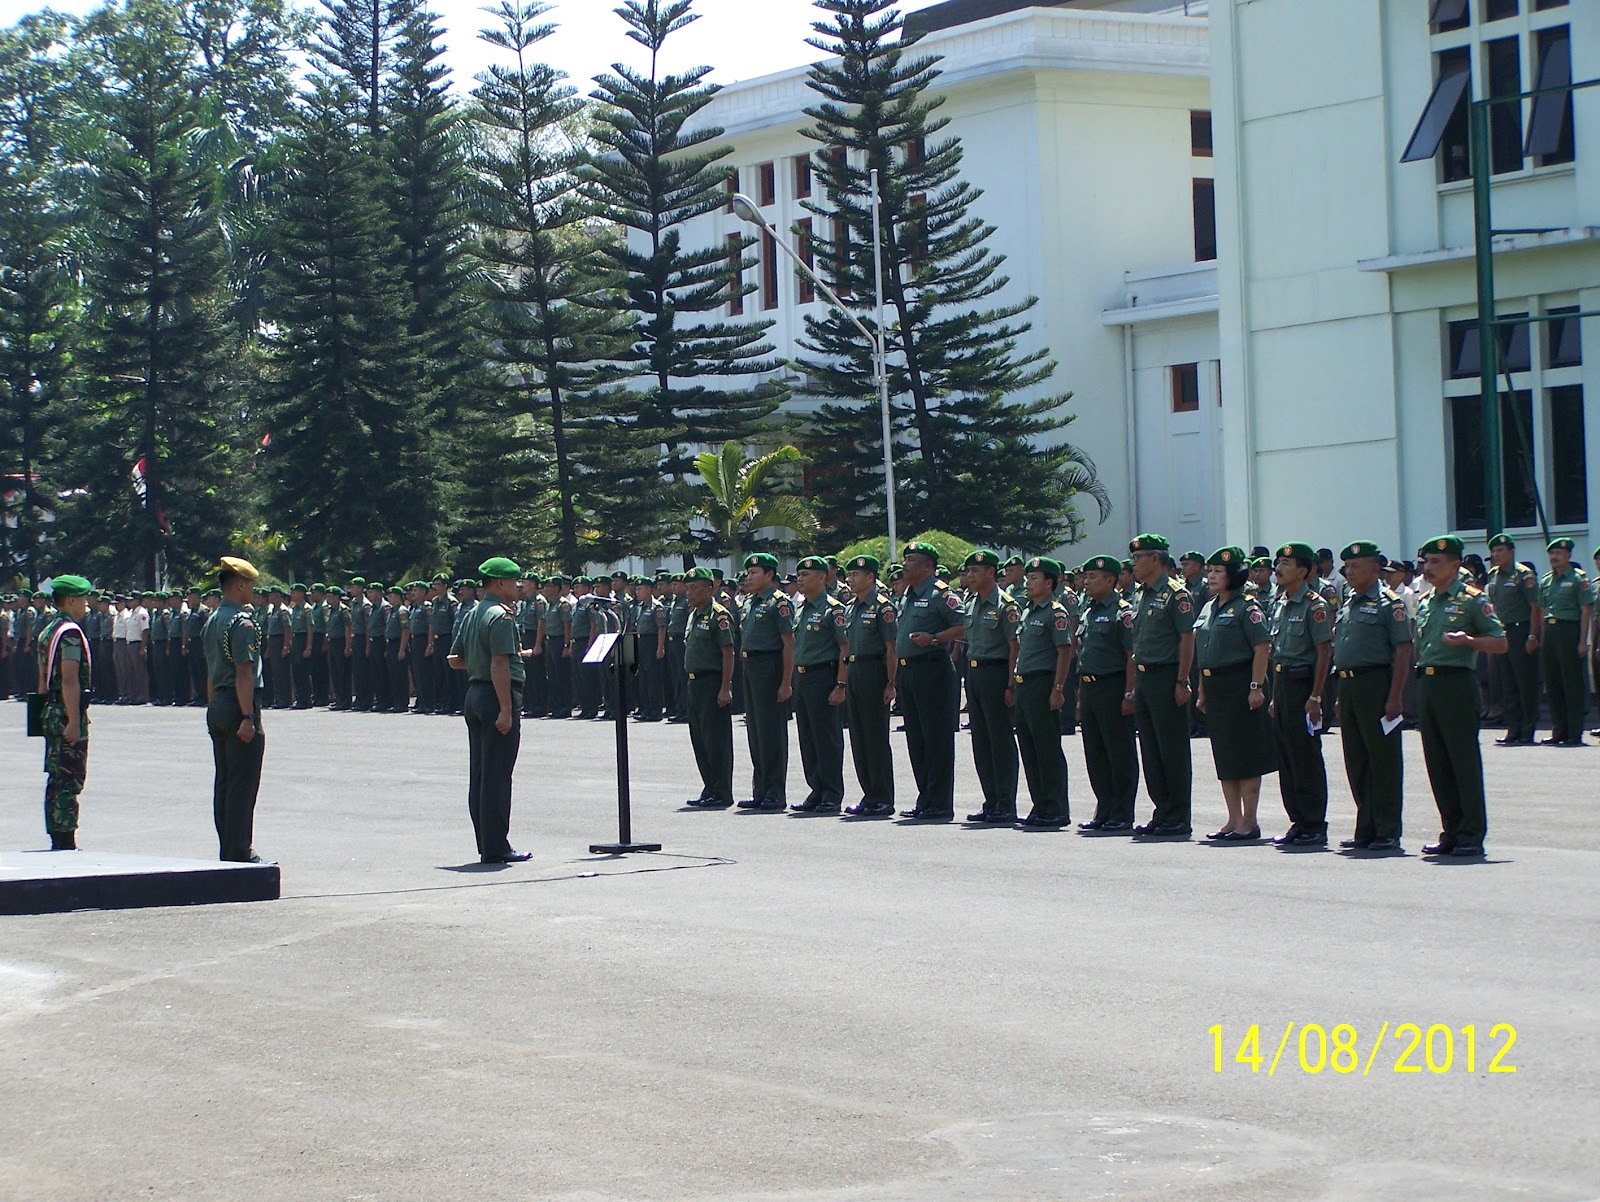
1232	642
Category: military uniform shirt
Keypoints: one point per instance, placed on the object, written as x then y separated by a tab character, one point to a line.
991	625
299	619
1514	591
1163	614
706	632
1460	607
928	608
487	631
274	620
1228	632
1045	627
230	639
158	625
1370	626
819	632
677	616
394	622
769	617
555	619
419	622
70	650
582	614
870	627
442	618
1299	626
336	621
1106	638
650	619
1564	596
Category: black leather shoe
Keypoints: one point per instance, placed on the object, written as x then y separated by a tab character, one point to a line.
1215	835
750	803
1354	844
1384	845
1163	830
508	857
1288	836
1114	825
1305	838
992	818
805	807
1507	741
1579	742
1552	741
1467	849
1041	824
1253	836
772	805
826	807
1093	824
920	815
1442	848
870	809
716	803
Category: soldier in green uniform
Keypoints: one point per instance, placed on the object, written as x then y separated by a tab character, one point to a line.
1043	658
1192	564
675	694
1302	648
158	647
1127	582
768	661
1232	645
360	679
299	640
233	714
337	648
194	652
991	619
398	633
583	614
64	671
489	651
650	624
1106	684
821	682
417	678
1163	653
441	628
378	646
708	665
1455	623
871	626
931	618
1567	600
1372	661
1513	589
558	666
466	602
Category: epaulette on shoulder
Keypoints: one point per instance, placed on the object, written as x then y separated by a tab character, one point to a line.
939	586
1473	590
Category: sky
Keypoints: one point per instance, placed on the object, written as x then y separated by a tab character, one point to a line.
740	39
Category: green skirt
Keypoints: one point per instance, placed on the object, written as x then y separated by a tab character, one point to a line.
1242	742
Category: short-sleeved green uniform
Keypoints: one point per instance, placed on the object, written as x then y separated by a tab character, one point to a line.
1042	630
991	631
1564	598
871	626
819	649
1371	626
769	616
1301	623
231	638
929	695
1514	591
706	632
1225	638
1109	753
1163	613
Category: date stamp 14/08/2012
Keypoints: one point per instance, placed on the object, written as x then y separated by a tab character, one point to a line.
1405	1047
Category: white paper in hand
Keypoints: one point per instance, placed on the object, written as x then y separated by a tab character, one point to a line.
1388	724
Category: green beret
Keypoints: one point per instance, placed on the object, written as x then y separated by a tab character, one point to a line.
1102	563
833	560
216	592
582	580
499	568
1261	561
374	586
761	560
1227	557
1047	566
160	594
705	574
663	573
1191	557
1297	551
71	586
717	572
619	574
644	580
319	588
921	548
1446	544
896	570
981	559
678	577
1502	540
361	580
812	563
1560	544
1127	565
1150	542
297	588
1014	562
864	563
1361	549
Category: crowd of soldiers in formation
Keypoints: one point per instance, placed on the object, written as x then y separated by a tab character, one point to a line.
1134	621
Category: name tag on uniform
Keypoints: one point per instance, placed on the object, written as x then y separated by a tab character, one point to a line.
919	604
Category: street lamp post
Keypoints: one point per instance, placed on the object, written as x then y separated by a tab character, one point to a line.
750	212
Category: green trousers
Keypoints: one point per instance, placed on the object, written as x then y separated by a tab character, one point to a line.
1373	762
821	737
1518	674
1164	743
711	735
1302	776
1448	707
1108	747
766	725
868	719
1563	680
994	744
1039	742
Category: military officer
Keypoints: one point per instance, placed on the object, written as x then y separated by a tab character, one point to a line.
489	651
417	675
677	629
1163	653
768	661
1513	589
194	652
1043	653
300	646
1106	684
276	686
650	624
1567	600
558	664
397	652
378	646
1302	648
337	648
871	626
63	662
319	644
991	620
1455	624
821	683
583	612
360	680
159	683
931	619
441	628
233	712
708	665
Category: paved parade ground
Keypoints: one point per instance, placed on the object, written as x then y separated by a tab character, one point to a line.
785	1007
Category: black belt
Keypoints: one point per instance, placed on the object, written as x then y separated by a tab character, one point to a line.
1244	667
990	663
1021	676
1348	673
1098	677
709	673
1431	670
878	658
757	654
1293	673
1156	667
935	658
830	665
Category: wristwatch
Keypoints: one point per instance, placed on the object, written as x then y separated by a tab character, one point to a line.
1255	686
838	684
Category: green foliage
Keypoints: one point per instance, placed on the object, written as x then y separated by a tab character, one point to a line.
952	550
738	497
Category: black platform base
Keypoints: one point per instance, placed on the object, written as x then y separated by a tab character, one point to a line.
46	882
621	849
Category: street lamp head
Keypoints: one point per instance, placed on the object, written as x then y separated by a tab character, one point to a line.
747	210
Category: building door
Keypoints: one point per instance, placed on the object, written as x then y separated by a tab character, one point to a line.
1179	445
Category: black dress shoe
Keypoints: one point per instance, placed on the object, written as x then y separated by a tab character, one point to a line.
772	805
1507	741
1579	742
870	809
1305	838
1288	835
750	803
1111	824
921	815
1093	824
1442	848
826	807
1041	824
716	803
1163	830
992	818
513	856
1215	835
1467	849
805	807
1384	845
1552	741
1251	836
1354	844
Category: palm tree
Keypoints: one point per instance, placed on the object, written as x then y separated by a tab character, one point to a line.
733	500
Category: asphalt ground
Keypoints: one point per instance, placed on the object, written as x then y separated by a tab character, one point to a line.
783	1007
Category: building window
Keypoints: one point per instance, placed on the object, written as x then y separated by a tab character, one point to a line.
1569	461
1499	10
807	290
1563	339
1539	6
1205	220
1503	65
769	271
736	275
1516	474
1448	15
1515	354
1443	127
1185	387
1550	124
730	187
767	180
1200	135
802	177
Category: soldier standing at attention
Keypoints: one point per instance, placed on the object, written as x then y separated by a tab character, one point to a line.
650	624
378	646
708	664
990	621
157	646
360	680
275	686
1567	600
319	645
397	632
63	664
233	715
466	601
300	646
931	618
1043	660
489	651
337	649
1106	673
1455	623
768	660
538	700
822	682
1513	589
1372	661
1163	653
558	667
441	618
870	628
1302	647
1193	566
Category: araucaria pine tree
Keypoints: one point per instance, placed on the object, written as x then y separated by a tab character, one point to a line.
651	174
973	455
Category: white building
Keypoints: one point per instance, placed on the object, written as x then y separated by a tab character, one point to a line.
1085	124
1349	378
